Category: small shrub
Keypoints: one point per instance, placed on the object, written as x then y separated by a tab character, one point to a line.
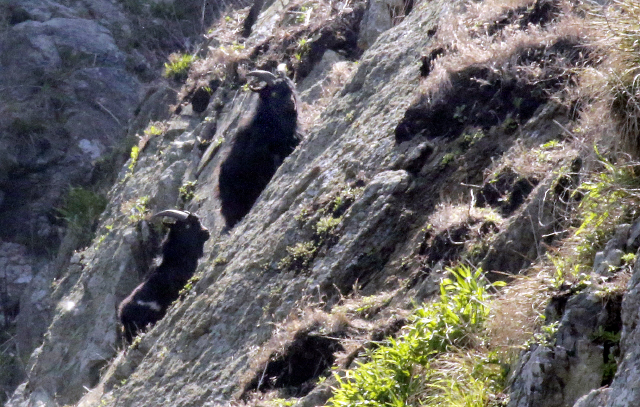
326	224
136	209
299	256
187	191
178	66
135	152
80	211
189	286
398	371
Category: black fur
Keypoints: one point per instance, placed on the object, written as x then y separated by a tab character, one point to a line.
258	149
148	302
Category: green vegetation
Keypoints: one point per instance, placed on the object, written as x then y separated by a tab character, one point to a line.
413	369
154	129
137	209
326	225
608	198
187	191
220	261
447	159
189	286
322	229
304	46
135	152
136	341
80	211
342	201
299	256
281	402
178	66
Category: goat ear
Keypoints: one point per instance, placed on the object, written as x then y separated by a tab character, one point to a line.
173	213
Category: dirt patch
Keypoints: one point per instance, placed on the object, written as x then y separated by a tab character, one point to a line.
506	192
447	246
541	13
304	48
295	370
481	96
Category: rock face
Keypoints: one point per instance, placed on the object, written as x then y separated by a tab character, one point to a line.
623	390
355	210
73	77
70	110
572	364
379	17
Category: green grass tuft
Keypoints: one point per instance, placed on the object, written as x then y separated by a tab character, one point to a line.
398	372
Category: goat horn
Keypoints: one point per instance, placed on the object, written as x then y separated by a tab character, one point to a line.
173	213
264	76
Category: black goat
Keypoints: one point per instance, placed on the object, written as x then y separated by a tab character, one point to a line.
181	250
260	146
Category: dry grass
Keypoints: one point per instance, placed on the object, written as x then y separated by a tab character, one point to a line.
447	215
337	78
616	32
477	46
536	162
462	379
517	312
301	320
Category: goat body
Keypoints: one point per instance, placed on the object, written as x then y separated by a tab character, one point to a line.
181	250
259	147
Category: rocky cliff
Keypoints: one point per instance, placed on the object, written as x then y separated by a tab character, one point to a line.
436	134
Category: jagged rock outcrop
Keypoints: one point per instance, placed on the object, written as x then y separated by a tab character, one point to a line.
350	210
623	390
73	76
589	359
573	362
70	109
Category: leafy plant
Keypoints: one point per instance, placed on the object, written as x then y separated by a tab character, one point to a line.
299	256
606	197
154	129
80	210
187	191
178	66
189	286
138	209
397	372
326	224
135	152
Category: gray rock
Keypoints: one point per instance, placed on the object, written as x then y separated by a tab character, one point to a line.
35	309
606	262
634	237
556	375
311	88
16	272
624	391
610	258
317	397
57	42
169	185
73	71
595	398
378	18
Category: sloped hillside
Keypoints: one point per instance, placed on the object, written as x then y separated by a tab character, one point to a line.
458	225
